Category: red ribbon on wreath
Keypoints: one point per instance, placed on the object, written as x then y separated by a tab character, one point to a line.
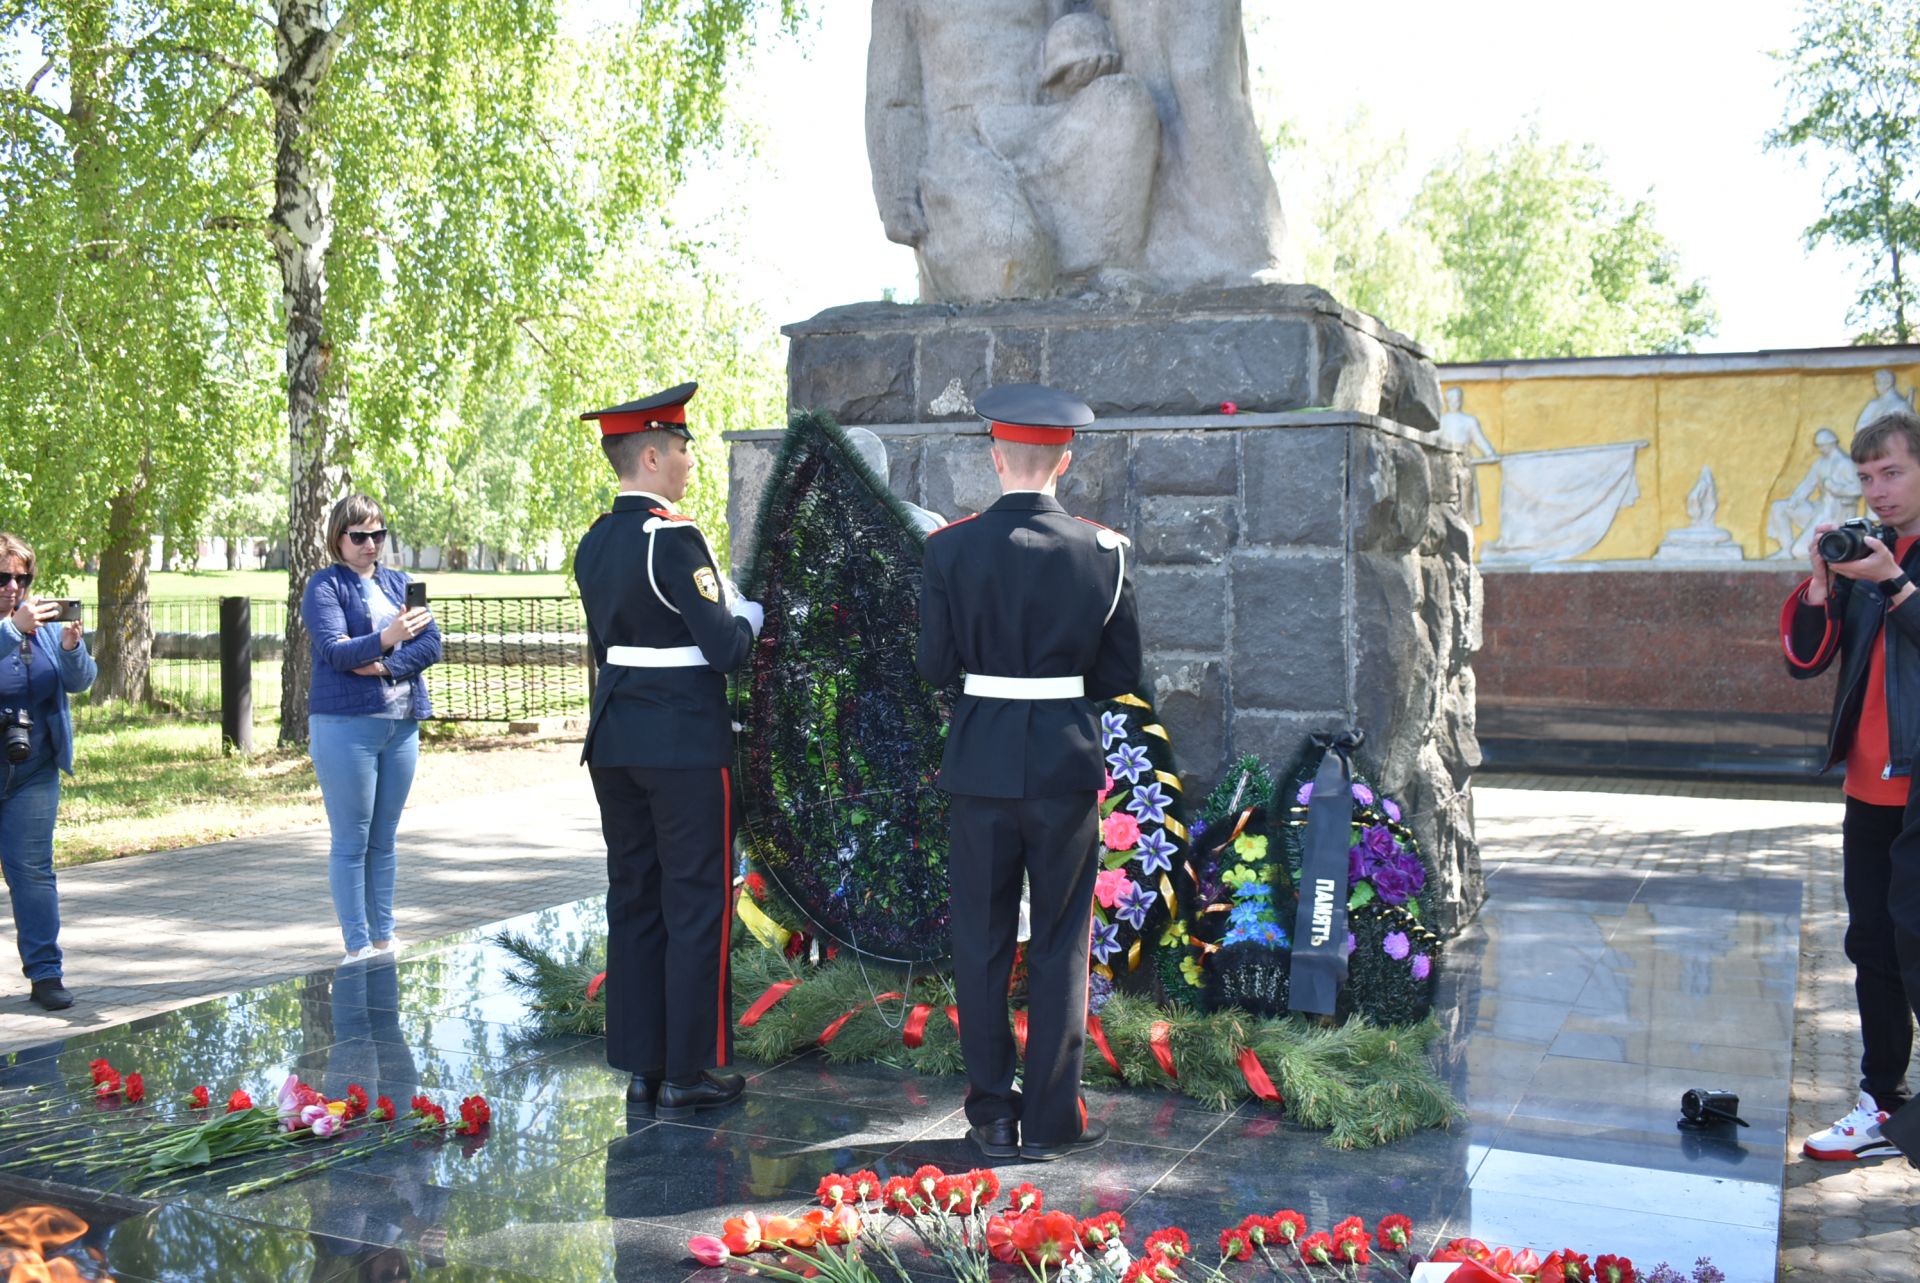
593	986
832	1031
1161	1040
1256	1075
764	1003
953	1014
914	1032
1100	1041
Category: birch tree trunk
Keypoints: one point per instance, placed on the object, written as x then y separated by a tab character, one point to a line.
301	228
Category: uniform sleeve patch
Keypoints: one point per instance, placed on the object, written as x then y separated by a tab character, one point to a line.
706	584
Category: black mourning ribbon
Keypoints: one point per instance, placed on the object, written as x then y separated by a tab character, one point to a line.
1319	966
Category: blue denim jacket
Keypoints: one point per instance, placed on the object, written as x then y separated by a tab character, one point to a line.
332	609
77	671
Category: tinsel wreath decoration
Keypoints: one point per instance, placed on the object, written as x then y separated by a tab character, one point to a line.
841	737
1145	881
1180	961
1365	1084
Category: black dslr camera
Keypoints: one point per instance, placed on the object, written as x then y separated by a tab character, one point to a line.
1848	540
16	734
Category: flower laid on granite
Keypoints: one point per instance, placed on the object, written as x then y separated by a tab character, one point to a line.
475	1114
172	1148
1229	407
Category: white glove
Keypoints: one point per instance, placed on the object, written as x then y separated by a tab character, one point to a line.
752	611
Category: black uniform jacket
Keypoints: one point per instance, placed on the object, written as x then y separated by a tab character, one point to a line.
648	579
1849	627
1025	590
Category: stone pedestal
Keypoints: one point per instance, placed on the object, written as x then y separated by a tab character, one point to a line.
1298	565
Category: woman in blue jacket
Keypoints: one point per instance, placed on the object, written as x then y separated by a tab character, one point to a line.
37	672
363	715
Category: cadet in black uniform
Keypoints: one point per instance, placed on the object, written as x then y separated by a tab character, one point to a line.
1036	607
665	628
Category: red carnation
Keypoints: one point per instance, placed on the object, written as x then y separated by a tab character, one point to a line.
833	1189
1228	407
198	1098
356	1101
1613	1269
1287	1226
475	1114
925	1180
1171	1241
101	1070
421	1105
1394	1233
106	1084
897	1194
1025	1198
865	1185
238	1102
1097	1231
136	1089
986	1184
1151	1269
1316	1249
383	1110
1235	1246
1353	1249
958	1193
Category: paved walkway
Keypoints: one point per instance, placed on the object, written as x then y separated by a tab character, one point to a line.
148	933
152	932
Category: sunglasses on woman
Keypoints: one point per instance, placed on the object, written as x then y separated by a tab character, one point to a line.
23	580
361	537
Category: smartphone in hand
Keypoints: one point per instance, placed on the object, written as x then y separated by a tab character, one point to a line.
69	610
416	595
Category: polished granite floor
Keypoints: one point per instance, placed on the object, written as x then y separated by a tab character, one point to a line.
1580	1007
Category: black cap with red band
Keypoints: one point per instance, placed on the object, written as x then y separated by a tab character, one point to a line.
661	412
1032	414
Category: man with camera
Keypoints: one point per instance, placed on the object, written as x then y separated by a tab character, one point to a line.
1858	595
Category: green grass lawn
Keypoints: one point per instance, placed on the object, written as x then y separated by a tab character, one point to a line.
271	585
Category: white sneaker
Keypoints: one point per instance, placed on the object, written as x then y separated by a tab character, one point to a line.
394	946
1855	1136
360	955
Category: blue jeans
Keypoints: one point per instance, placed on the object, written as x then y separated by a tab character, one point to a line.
365	766
29	800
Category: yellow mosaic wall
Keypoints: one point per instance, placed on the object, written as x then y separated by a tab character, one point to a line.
1754	427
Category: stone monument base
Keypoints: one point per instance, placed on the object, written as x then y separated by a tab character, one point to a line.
1299	566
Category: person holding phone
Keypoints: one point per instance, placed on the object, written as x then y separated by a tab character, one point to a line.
37	673
370	647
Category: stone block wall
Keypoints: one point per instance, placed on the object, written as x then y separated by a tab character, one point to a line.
1299	564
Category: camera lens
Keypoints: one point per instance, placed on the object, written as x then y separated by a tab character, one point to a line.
1843	544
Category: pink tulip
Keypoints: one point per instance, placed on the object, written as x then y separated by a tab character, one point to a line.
708	1250
325	1125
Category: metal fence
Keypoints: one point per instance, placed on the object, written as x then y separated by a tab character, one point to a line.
505	659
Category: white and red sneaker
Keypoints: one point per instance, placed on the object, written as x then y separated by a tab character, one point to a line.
1855	1136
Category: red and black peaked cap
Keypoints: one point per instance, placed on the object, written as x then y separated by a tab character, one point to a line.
1033	414
661	412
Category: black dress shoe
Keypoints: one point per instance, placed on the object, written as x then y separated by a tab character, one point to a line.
1093	1136
997	1139
642	1088
51	994
709	1091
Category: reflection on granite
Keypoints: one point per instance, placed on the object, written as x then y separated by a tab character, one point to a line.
1578	1008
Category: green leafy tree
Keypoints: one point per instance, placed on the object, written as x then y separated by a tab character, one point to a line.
1550	260
1853	98
1349	209
417	178
125	320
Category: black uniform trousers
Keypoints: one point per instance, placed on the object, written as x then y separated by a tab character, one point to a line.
1880	863
1055	842
669	913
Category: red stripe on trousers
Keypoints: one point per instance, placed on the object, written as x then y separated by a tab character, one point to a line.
726	912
